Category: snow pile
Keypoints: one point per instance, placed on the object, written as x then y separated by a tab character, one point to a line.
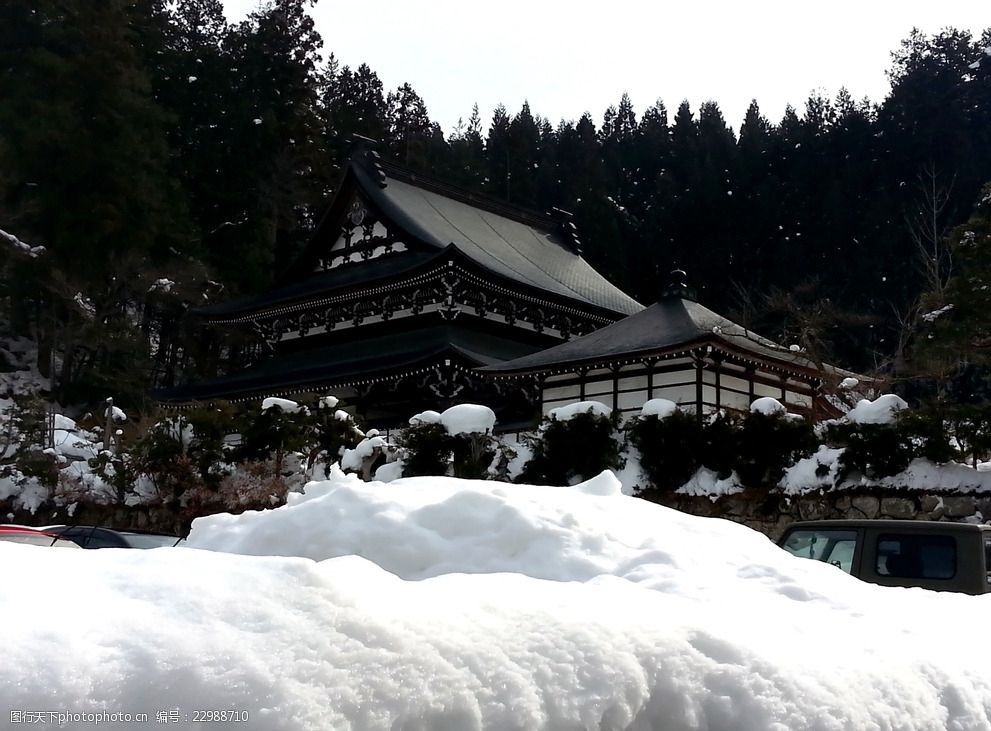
353	459
881	410
163	285
114	413
468	419
20	375
425	417
936	314
848	383
290	407
31	252
767	406
662	408
520	451
816	472
569	412
467	605
706	483
921	474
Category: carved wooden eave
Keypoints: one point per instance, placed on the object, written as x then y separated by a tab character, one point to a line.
449	285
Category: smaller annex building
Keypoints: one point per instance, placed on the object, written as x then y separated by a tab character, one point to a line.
679	350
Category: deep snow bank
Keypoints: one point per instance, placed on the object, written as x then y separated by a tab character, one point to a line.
533	608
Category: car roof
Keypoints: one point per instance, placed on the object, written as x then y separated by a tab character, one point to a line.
33	536
892	524
121	538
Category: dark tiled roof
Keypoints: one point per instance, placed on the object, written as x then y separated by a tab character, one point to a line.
527	248
358	361
667	325
519	245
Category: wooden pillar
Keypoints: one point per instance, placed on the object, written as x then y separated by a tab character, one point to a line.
716	369
540	380
699	367
615	387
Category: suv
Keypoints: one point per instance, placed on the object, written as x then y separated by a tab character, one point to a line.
929	554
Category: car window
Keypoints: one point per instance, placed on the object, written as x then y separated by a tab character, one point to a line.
90	538
835	547
908	556
149	540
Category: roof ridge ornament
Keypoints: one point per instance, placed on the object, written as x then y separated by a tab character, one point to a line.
364	149
678	287
568	229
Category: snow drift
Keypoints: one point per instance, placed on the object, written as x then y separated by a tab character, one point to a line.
434	603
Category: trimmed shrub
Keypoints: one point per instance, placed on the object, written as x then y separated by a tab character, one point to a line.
274	432
770	443
971	426
472	454
211	424
871	450
927	431
162	455
671	448
41	464
334	431
719	444
426	449
578	448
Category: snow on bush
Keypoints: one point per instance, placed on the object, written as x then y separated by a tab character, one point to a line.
353	459
425	417
444	604
290	407
659	407
815	472
768	406
881	410
566	413
574	443
465	419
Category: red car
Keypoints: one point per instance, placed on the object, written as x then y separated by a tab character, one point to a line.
33	537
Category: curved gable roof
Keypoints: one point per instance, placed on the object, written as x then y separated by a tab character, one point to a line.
538	252
515	244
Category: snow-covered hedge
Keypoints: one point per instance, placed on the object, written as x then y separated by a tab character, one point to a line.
221	458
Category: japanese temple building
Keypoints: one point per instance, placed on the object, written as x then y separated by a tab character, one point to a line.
678	350
406	288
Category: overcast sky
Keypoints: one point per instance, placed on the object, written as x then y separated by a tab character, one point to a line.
571	56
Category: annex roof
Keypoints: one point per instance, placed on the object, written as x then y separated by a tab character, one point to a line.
674	322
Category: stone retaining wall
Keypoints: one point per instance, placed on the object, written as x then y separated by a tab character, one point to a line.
771	513
768	512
